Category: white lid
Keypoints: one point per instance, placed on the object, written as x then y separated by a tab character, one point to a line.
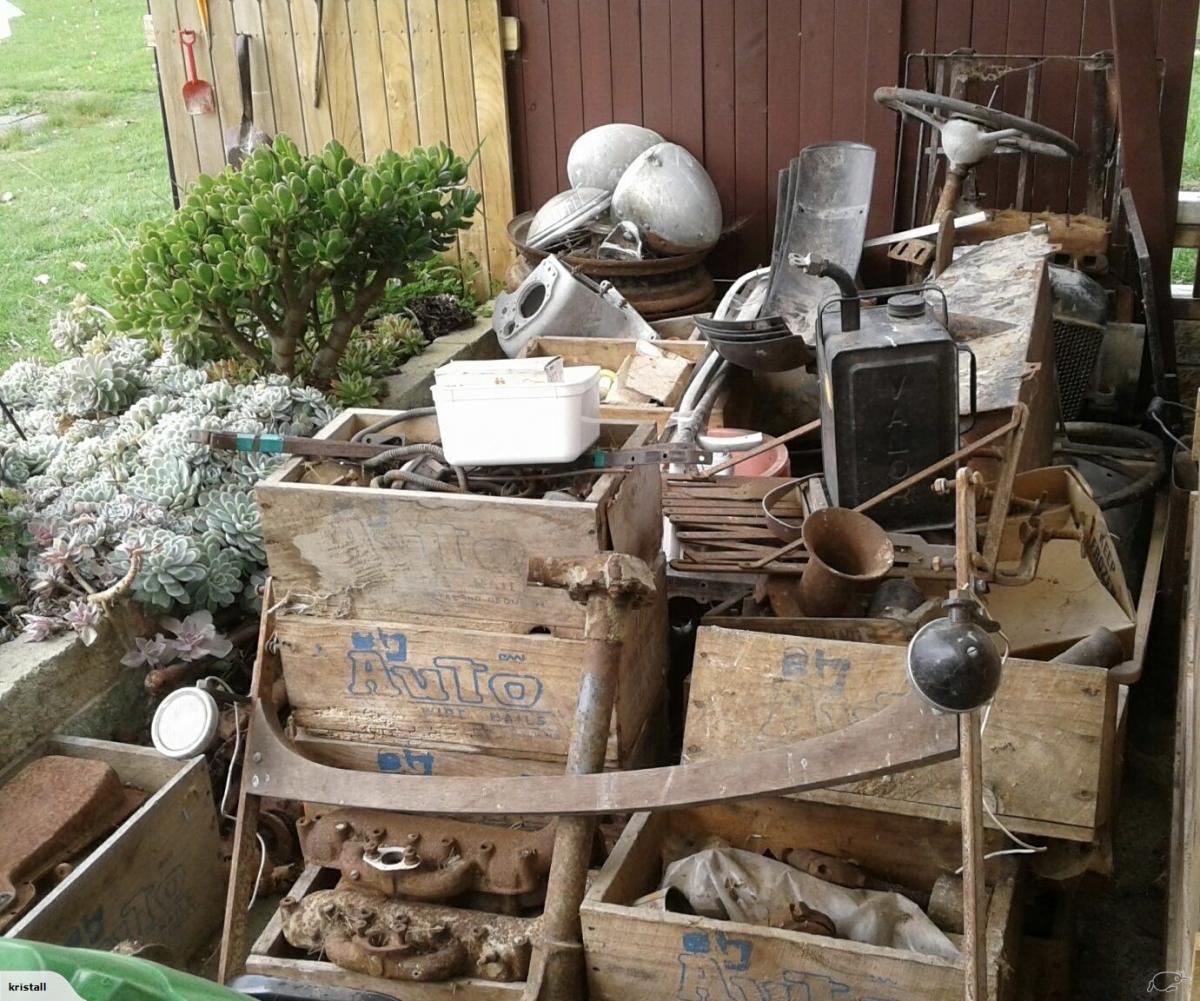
185	723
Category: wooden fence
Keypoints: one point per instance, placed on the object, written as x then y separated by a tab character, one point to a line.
393	74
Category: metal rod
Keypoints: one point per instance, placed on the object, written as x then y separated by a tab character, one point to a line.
960	222
971	782
766	446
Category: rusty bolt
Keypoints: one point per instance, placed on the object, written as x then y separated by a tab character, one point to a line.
377	832
288	902
341	827
355	875
936	564
63	870
941	486
487	846
417	973
414	836
303	822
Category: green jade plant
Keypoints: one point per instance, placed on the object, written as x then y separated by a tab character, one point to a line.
284	258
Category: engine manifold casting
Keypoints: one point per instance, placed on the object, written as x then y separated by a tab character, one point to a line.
399	940
428	858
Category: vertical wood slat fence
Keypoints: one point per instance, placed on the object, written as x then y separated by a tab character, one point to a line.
393	74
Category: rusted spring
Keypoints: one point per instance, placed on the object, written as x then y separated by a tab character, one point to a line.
392	419
404	452
397	479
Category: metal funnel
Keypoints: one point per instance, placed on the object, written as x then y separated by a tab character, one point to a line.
846	552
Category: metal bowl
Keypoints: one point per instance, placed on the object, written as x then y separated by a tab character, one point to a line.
780	354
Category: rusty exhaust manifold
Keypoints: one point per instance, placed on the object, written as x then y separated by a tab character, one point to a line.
369	934
428	858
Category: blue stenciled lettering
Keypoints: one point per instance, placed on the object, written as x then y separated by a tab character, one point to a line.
718	967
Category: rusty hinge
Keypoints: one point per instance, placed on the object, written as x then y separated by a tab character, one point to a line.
510	34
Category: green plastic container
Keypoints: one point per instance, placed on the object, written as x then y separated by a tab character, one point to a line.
103	976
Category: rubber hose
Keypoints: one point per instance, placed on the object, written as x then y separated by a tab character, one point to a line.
1126	435
393	476
405	452
392	419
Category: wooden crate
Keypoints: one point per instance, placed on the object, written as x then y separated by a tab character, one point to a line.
272	956
447	559
609	353
158	878
1048	743
433	690
428	758
639	954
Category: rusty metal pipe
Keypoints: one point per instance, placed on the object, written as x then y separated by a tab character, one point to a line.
1103	648
609	585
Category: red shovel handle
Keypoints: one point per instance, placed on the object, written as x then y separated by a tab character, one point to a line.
187	38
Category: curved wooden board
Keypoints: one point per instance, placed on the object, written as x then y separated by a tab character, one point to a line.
905	735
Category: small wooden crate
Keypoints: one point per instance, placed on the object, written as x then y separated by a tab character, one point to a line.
1047	747
609	353
429	691
158	878
272	956
641	954
447	559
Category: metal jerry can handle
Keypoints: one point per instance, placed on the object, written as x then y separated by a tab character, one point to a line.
960	348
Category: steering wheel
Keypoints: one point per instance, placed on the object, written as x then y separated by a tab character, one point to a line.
1011	132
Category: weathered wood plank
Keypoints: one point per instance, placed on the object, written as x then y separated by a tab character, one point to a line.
157	878
1042	744
181	132
490	692
282	65
454	28
398	76
491	116
368	76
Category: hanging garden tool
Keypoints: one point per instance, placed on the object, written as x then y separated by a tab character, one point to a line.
243	139
197	93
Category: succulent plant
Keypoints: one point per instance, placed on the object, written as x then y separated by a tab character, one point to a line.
251	254
170	562
221	584
96	384
166	481
356	389
21	385
75	326
234	516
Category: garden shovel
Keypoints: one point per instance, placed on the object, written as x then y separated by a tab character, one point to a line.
244	139
197	93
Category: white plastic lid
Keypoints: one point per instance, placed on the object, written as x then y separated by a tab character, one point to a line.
185	723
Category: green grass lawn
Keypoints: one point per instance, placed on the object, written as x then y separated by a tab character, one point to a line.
83	182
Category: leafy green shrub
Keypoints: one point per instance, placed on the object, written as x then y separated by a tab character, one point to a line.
252	254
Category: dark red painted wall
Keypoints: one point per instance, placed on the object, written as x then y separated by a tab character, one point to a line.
745	84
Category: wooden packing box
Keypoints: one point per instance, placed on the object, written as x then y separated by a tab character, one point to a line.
158	878
1047	745
446	559
272	956
610	352
429	690
642	954
428	758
